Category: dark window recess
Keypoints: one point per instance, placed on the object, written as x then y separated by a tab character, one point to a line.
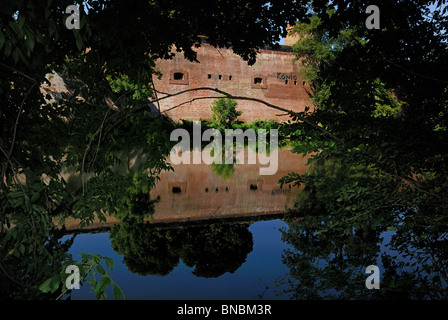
178	76
253	187
209	76
220	76
303	83
216	189
176	189
227	189
230	77
206	189
295	82
258	80
286	81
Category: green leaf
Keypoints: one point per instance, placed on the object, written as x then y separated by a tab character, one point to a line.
104	282
38	208
79	42
51	28
22	249
50	285
30	41
21	21
109	262
2	39
102	296
15	194
45	287
117	292
100	269
90	280
17	203
16	55
17	29
39	37
34	196
54	283
47	12
28	206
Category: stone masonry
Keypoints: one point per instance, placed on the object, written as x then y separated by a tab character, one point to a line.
274	78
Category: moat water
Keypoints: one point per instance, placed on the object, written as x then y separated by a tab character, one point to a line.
250	276
221	235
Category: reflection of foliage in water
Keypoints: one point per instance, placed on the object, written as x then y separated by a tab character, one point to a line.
324	265
104	109
223	170
382	131
332	266
338	231
26	266
216	248
30	249
212	249
145	250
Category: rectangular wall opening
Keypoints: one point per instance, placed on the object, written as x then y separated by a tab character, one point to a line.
176	189
178	76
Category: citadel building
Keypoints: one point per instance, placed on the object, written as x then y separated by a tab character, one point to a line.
274	78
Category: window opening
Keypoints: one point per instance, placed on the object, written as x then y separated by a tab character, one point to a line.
178	76
176	190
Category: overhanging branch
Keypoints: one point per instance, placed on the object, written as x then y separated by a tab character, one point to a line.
228	95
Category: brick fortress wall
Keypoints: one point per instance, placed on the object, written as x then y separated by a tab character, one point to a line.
273	78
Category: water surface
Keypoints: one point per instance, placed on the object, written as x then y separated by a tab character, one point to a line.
254	279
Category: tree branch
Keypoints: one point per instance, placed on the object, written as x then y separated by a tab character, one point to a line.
412	72
8	156
19	72
270	105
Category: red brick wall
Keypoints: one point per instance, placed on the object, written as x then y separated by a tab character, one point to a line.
203	194
224	70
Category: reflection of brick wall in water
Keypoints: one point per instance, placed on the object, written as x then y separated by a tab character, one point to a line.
273	78
195	191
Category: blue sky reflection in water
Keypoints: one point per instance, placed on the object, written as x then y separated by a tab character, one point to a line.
253	280
254	274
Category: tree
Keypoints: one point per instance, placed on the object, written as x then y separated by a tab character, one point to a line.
224	113
389	122
212	249
108	65
380	97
